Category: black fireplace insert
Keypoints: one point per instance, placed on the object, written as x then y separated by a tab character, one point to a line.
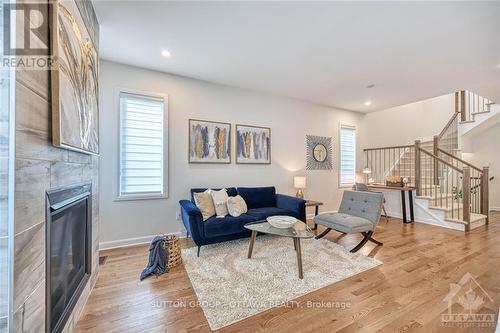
68	251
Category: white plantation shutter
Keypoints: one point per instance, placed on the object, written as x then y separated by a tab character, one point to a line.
142	143
347	155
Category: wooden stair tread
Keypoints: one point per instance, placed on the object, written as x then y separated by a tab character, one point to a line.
447	209
431	197
473	218
481	112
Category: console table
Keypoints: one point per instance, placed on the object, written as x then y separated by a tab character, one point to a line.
315	204
403	190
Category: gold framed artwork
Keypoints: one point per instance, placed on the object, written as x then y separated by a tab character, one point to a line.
75	87
209	142
253	144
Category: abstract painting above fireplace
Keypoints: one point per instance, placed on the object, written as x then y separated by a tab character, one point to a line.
75	86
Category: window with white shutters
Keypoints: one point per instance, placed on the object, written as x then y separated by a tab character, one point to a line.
347	155
142	140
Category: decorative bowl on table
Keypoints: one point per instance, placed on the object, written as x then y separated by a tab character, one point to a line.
281	222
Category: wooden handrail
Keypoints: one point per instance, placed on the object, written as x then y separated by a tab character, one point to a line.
448	124
460	160
392	147
441	160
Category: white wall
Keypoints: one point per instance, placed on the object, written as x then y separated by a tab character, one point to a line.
485	153
289	119
404	124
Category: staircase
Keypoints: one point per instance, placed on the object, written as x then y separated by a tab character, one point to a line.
451	191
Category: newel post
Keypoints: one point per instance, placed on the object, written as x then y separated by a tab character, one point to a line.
463	114
466	197
485	193
436	165
417	167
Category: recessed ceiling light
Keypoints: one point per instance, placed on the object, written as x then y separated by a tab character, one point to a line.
498	66
165	53
368	103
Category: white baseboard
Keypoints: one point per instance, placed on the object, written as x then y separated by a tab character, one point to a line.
443	224
495	209
131	241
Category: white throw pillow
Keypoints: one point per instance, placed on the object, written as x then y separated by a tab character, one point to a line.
205	203
220	202
236	206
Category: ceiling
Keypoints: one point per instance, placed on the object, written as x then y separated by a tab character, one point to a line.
323	52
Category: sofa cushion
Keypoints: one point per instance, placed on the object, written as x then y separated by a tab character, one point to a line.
258	197
220	202
265	212
204	201
231	191
344	222
236	206
228	225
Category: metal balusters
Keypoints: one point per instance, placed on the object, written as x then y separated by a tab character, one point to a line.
391	161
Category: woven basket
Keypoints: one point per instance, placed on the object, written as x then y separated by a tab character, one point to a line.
174	250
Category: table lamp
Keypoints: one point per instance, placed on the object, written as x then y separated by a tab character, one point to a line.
299	182
366	172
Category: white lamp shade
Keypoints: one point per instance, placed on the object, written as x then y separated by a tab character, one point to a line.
367	171
299	182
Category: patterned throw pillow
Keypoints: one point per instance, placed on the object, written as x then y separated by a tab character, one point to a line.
220	202
205	203
236	206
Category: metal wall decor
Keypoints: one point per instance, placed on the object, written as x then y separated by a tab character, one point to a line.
319	153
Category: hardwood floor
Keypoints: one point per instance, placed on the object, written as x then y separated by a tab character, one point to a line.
405	294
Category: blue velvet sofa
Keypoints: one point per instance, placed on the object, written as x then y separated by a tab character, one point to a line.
262	202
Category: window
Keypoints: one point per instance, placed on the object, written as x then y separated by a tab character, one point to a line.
142	140
347	155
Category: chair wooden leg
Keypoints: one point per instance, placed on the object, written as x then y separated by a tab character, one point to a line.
375	241
363	241
199	247
323	234
367	237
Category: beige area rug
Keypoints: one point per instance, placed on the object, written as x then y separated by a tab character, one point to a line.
231	287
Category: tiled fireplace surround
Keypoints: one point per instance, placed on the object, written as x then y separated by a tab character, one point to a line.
40	167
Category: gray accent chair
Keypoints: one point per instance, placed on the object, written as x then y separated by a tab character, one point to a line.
359	212
363	187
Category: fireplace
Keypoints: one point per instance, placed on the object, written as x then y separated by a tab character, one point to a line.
68	251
